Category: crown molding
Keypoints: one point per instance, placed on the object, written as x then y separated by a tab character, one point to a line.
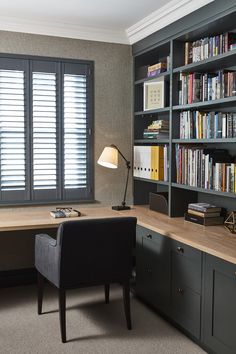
167	14
57	29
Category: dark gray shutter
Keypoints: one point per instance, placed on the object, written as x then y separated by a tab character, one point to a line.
76	132
13	174
46	147
45	181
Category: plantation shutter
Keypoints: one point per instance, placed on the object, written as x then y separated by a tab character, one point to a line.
77	131
45	131
13	174
46	109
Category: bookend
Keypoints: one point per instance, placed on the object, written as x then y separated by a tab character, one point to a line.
230	222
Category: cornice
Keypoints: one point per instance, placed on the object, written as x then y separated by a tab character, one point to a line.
167	14
62	30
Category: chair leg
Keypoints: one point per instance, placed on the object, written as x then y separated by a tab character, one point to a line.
40	292
126	299
62	314
107	291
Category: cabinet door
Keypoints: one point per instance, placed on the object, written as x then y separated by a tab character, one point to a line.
153	268
186	265
219	314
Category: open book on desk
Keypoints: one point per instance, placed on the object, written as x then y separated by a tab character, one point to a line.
65	213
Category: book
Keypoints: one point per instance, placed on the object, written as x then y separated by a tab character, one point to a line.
204	207
64	213
218	220
204	214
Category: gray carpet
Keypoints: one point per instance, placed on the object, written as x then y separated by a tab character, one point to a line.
92	326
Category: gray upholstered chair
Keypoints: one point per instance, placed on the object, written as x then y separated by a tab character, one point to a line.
85	253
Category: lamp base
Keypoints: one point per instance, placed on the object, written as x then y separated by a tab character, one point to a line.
120	207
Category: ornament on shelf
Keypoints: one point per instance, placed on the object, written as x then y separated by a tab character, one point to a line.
230	222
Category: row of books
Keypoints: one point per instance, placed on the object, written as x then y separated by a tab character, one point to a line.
207	125
204	214
205	168
208	47
197	87
158	129
151	162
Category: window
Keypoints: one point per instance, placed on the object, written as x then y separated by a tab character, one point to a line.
45	130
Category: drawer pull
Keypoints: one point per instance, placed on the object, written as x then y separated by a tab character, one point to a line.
149	271
180	290
149	236
180	249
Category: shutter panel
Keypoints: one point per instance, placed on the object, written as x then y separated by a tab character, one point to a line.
44	134
12	134
75	134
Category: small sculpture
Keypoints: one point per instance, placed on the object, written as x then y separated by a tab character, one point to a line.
230	222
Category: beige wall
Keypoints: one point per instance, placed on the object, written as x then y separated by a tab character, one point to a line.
113	110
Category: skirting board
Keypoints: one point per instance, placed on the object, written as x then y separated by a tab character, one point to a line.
17	277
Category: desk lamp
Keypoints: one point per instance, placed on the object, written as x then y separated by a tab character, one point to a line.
109	158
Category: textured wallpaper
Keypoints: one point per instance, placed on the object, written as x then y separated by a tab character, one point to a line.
113	108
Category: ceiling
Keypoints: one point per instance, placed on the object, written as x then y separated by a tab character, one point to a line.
119	21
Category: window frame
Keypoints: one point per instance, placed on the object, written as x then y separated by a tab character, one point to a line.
61	62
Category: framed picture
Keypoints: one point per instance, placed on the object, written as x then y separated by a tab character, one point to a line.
154	96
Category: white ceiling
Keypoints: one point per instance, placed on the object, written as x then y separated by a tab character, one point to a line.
122	21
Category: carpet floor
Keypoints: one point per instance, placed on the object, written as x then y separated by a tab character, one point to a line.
92	326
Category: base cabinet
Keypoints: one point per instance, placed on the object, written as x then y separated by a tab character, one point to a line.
219	310
186	266
195	290
153	268
168	276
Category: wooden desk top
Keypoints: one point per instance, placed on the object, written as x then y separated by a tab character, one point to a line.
215	240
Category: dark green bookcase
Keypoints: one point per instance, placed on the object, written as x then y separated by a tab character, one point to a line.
217	18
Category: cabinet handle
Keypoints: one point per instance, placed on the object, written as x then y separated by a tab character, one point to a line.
149	271
180	290
149	236
180	249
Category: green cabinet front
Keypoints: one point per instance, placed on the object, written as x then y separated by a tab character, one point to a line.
186	266
219	310
153	268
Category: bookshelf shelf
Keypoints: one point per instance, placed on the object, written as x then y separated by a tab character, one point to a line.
204	141
212	77
213	63
221	103
152	111
166	75
164	183
152	141
203	190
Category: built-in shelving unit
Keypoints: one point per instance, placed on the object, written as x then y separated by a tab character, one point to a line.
174	47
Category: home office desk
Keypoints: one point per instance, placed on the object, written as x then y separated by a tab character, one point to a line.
214	240
181	267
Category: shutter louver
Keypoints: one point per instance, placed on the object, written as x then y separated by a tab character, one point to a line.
75	131
12	130
44	131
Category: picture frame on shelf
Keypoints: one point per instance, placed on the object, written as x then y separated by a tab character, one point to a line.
154	94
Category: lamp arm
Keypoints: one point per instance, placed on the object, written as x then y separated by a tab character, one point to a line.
128	169
126	184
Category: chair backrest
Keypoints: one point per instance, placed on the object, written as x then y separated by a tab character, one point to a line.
96	251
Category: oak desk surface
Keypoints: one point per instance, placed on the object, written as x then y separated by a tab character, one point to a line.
215	240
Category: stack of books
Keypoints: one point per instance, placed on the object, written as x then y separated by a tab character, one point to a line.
158	129
67	212
156	69
204	214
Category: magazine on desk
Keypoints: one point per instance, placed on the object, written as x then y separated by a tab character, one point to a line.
65	213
